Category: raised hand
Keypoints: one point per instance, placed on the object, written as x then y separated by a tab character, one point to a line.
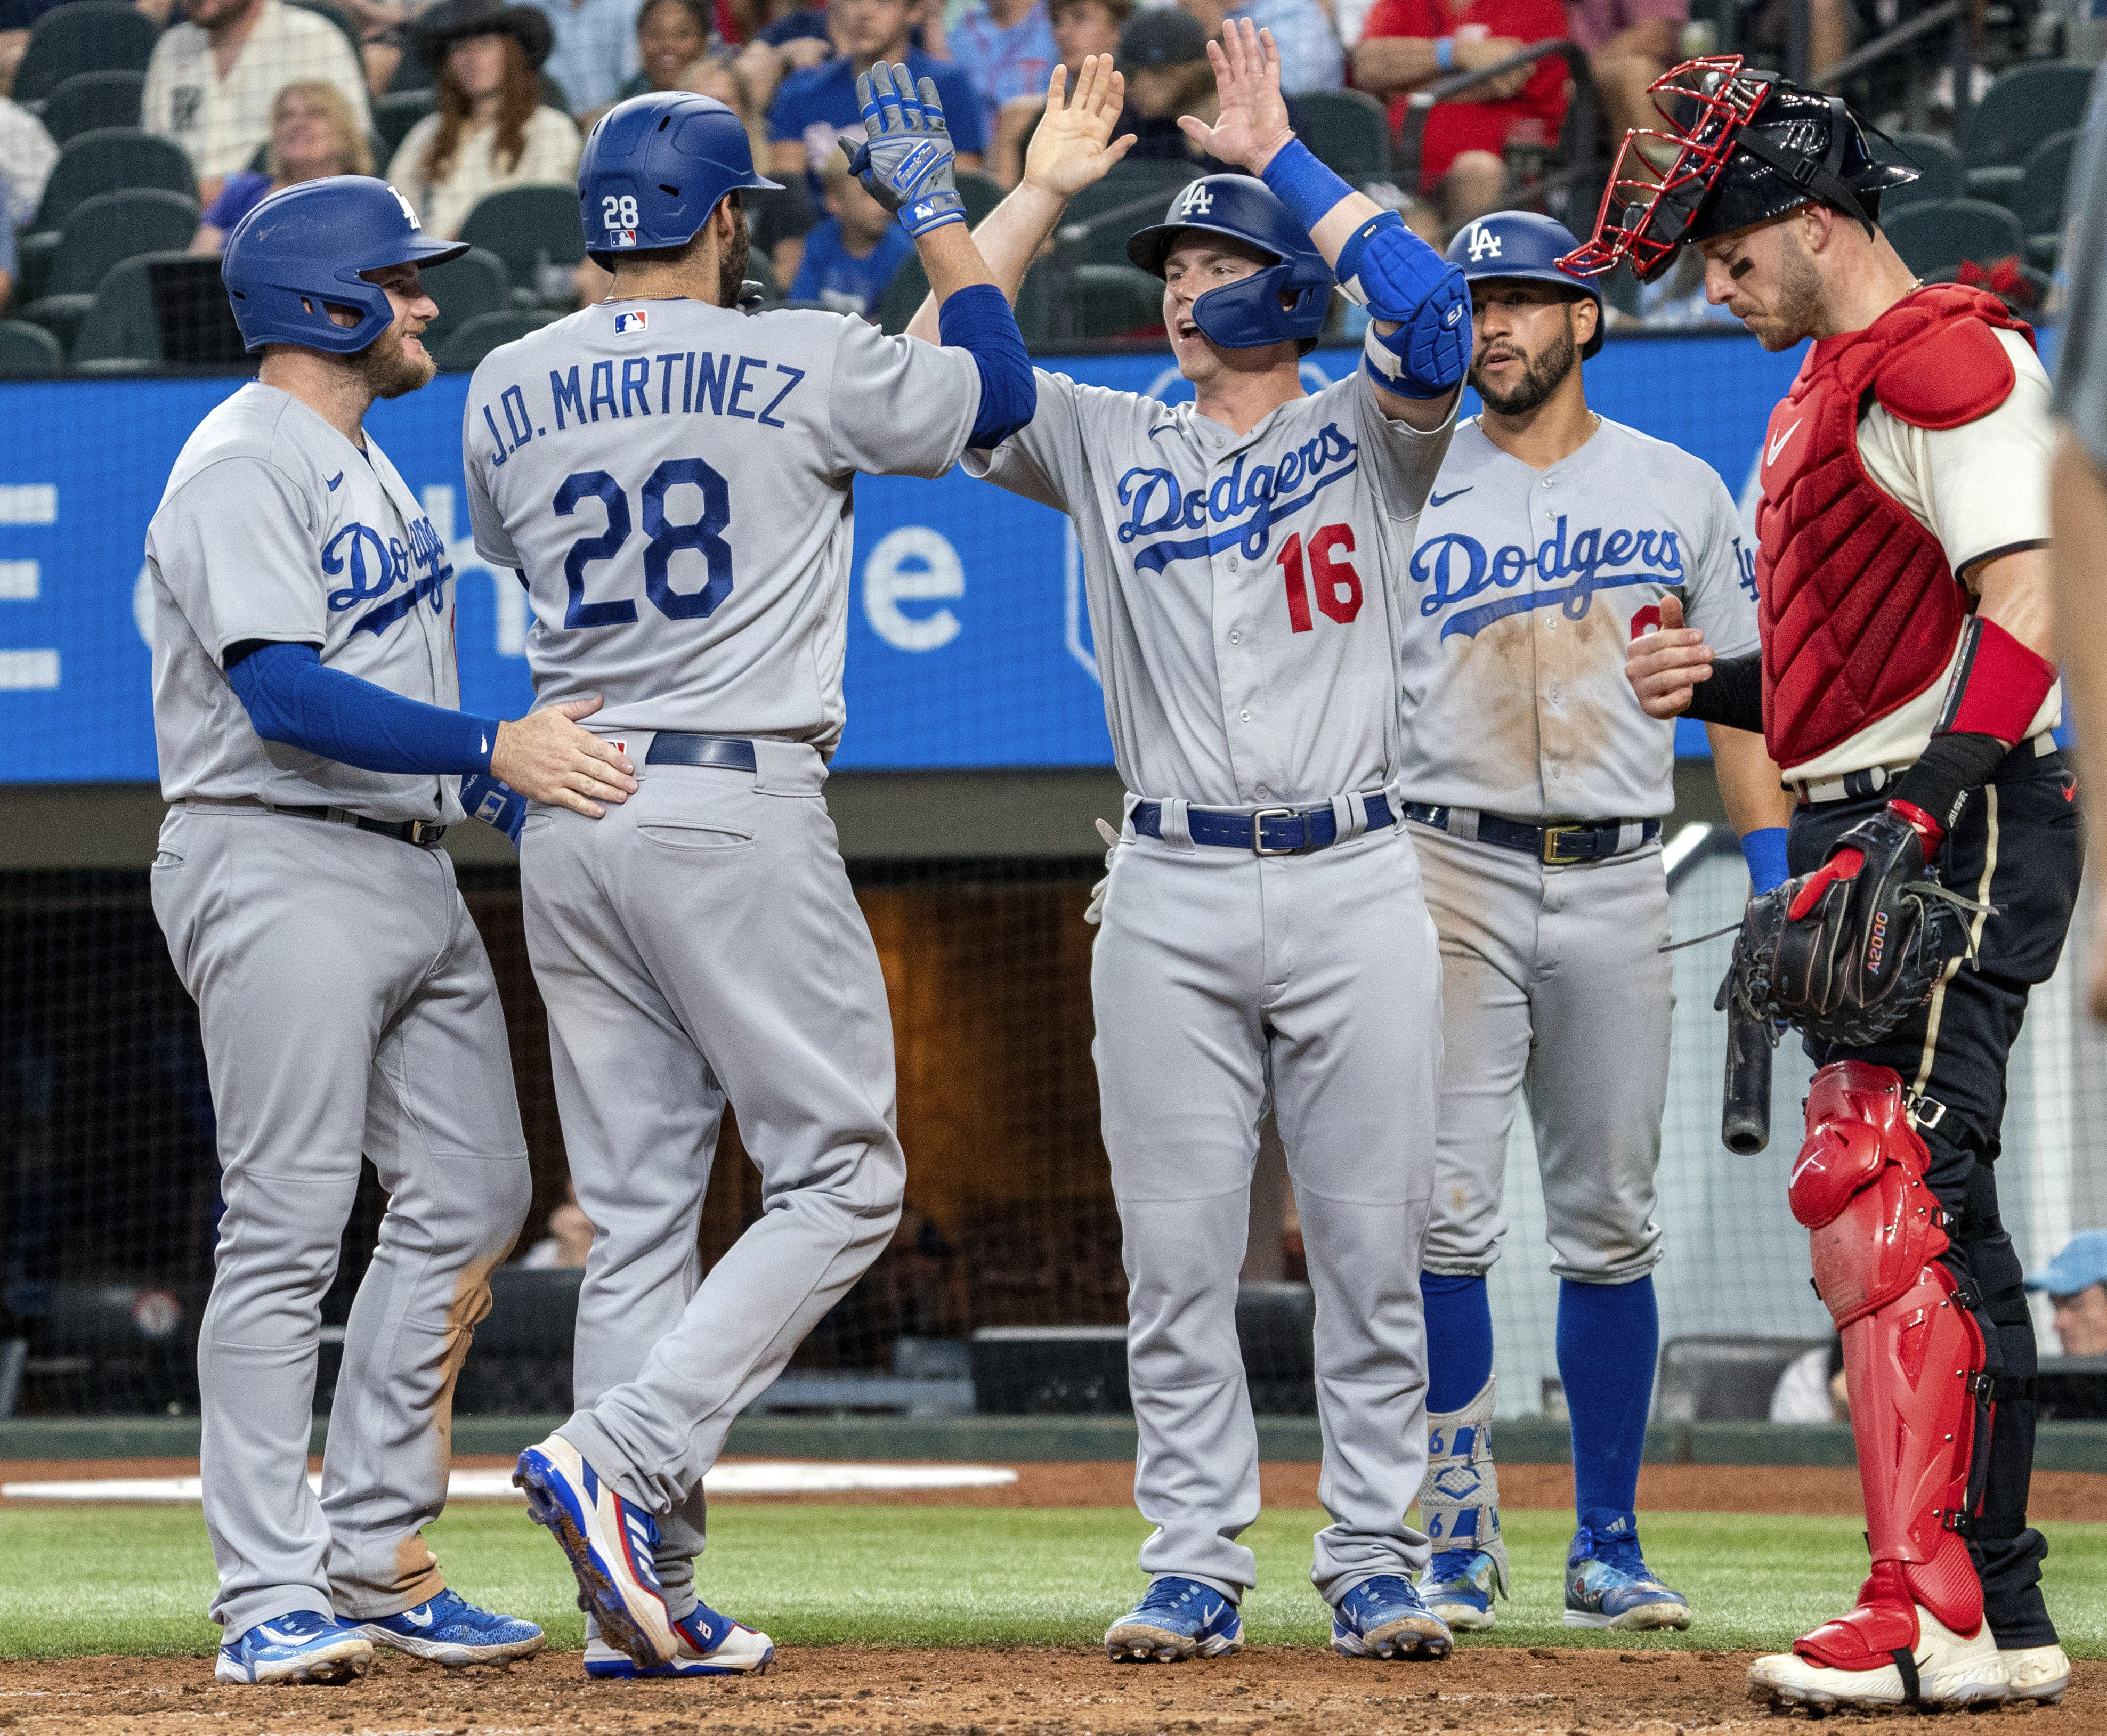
1070	149
1254	115
1665	666
906	161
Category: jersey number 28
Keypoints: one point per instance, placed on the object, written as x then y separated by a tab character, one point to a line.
667	538
1338	586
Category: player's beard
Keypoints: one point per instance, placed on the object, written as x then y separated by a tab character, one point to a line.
1541	374
732	262
1799	298
388	371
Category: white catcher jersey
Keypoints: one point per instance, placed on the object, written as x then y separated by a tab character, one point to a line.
274	526
673	481
1524	594
1240	586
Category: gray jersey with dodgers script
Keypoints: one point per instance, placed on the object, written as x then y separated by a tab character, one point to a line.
275	527
1239	585
1525	590
674	479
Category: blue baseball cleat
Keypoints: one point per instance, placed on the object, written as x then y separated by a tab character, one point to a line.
610	1543
451	1631
711	1644
1458	1586
1384	1617
1607	1583
1177	1618
301	1647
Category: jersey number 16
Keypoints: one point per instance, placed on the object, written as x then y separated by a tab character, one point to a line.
668	538
1338	586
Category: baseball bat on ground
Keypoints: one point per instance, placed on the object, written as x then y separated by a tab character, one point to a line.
1744	1120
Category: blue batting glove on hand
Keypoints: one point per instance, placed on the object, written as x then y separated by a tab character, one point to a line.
495	804
1401	280
907	162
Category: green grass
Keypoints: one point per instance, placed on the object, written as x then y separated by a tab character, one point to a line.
136	1579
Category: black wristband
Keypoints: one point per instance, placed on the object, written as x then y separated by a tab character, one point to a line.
1733	697
1951	768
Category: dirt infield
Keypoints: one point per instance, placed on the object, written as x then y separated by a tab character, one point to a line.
840	1690
1663	1488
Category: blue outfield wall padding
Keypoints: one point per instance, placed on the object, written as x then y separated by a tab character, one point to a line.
969	642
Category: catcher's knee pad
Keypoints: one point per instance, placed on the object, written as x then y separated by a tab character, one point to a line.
1912	1354
1459	1502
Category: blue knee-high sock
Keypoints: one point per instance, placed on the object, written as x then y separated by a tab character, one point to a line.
1609	1339
1459	1340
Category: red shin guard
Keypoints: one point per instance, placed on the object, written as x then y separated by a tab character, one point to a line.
1911	1355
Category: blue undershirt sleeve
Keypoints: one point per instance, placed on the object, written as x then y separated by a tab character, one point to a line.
291	698
977	319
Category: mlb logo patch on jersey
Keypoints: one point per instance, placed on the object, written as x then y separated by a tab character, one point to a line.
630	324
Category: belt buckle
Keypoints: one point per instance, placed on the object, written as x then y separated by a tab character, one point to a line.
1258	831
1553	838
426	834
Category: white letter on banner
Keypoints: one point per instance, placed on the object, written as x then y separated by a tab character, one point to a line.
888	582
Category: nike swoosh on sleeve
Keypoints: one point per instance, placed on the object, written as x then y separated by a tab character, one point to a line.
1442	499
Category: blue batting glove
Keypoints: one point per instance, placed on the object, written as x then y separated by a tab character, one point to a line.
1402	281
907	161
496	804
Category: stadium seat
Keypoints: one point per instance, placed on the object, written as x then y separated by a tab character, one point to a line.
344	24
520	1363
1724	1377
393	116
1348	130
2038	203
902	296
1945	231
100	235
90	100
1111	301
982	193
527	227
122	326
27	351
1094	228
2028	103
86	36
554	96
1938	163
465	288
111	159
460	352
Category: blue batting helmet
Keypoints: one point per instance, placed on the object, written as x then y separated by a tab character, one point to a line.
1286	301
305	246
1522	244
654	168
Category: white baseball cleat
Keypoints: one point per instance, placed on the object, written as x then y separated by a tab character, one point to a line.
1949	1672
610	1542
2039	1673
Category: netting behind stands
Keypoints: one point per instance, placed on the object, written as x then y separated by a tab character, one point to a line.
110	1189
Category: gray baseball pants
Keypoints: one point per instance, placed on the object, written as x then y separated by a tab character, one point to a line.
699	943
1552	985
347	1006
1221	979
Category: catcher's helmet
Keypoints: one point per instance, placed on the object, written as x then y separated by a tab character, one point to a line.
1286	301
654	168
1521	243
1749	146
305	246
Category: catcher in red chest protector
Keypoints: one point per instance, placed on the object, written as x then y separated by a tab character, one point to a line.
1902	686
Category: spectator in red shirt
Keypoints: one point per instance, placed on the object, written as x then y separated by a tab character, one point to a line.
1409	44
1630	43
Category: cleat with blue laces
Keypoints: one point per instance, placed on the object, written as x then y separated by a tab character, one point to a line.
1385	1617
301	1647
711	1644
610	1543
1607	1583
1459	1585
451	1631
1178	1619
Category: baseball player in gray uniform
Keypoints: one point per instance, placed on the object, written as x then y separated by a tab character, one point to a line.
311	749
1535	786
1264	934
671	479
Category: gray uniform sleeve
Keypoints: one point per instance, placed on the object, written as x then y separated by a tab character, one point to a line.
492	542
899	406
235	548
1404	460
2081	379
1721	575
1043	459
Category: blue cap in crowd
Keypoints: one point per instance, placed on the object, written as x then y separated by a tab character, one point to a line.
2078	1267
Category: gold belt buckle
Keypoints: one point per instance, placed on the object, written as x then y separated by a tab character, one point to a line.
1553	836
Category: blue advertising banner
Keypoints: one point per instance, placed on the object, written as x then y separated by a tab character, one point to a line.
969	645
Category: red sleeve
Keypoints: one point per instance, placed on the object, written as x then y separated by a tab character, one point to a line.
1402	18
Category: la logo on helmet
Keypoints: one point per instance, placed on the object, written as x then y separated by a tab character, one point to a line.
1198	198
409	215
1485	244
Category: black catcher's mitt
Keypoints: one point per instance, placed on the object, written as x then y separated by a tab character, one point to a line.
1848	953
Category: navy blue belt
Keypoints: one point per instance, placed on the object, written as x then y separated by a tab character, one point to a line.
726	753
1271	831
1553	845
